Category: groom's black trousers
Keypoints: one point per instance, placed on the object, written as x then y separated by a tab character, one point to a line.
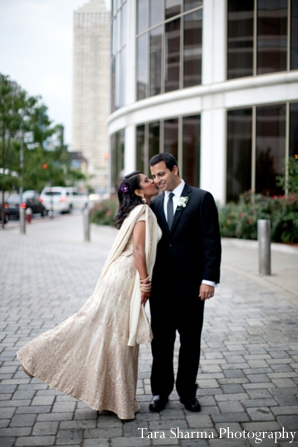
171	312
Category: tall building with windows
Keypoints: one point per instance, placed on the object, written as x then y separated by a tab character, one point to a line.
91	90
214	82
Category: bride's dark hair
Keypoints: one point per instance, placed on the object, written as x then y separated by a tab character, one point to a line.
127	197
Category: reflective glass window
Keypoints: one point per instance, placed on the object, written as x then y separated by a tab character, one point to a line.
191	4
117	157
115	6
191	150
123	25
114	37
113	161
122	77
192	48
113	85
142	67
293	130
172	55
270	148
294	35
272	36
142	15
154	129
119	29
240	38
156	12
140	146
171	137
117	81
173	8
155	60
239	148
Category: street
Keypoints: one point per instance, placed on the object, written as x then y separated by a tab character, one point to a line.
249	366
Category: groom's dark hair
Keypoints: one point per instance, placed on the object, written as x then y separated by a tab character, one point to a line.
169	160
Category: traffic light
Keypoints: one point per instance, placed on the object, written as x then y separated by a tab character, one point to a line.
44	166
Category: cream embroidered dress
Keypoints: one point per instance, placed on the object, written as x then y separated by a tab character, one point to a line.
93	355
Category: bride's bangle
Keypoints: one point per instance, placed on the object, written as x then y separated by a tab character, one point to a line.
145	280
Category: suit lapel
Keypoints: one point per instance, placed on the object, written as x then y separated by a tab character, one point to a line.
185	193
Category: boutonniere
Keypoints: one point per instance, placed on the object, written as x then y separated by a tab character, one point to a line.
182	202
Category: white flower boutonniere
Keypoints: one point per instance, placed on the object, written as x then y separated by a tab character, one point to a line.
182	202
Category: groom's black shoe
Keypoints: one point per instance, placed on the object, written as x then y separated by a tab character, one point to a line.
158	403
191	403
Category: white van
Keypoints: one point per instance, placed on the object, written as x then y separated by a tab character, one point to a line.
63	199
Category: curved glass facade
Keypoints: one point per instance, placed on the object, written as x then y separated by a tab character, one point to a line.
257	147
179	136
168	46
118	49
262	37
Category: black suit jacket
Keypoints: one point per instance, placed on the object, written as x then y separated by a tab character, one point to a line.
191	251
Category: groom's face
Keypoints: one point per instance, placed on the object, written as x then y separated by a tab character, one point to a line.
165	179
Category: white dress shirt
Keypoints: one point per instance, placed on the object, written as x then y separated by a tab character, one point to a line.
177	193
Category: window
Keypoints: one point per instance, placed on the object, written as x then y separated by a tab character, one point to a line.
142	81
192	54
191	149
255	160
240	38
140	159
117	157
171	137
270	147
294	35
272	36
239	152
262	37
293	150
168	46
155	60
179	136
118	55
172	55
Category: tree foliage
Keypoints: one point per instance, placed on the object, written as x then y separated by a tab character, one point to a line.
46	159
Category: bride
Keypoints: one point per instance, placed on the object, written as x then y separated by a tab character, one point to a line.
93	355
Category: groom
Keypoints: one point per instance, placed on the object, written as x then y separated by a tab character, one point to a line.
186	270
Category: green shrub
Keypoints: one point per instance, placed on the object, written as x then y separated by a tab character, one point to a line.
240	219
103	213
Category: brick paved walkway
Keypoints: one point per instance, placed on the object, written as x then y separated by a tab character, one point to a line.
249	369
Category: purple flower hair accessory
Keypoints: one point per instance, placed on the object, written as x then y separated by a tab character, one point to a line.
124	188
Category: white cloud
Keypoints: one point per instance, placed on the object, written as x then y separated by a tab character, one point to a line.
36	47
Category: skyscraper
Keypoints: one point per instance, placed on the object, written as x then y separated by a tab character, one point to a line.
91	91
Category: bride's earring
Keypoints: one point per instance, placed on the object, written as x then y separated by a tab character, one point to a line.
143	199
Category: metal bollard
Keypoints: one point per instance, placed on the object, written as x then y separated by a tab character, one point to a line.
264	239
86	225
22	221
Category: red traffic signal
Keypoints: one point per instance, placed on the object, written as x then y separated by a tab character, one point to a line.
44	166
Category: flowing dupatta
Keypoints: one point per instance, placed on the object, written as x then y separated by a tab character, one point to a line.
139	328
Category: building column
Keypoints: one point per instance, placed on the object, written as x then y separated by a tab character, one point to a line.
214	42
213	153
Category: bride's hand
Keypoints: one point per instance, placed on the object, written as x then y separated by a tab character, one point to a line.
144	297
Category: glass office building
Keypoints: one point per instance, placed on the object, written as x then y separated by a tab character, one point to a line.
214	82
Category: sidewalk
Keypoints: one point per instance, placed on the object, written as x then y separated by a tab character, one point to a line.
249	366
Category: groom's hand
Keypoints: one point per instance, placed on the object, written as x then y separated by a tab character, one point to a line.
206	292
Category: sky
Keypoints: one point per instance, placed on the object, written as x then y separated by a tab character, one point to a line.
36	51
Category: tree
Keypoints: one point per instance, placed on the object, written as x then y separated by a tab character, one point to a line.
14	106
46	159
289	180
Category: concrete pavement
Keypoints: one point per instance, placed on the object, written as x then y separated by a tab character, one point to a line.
249	369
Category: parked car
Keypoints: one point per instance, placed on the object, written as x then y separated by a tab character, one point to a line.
30	199
63	199
6	213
